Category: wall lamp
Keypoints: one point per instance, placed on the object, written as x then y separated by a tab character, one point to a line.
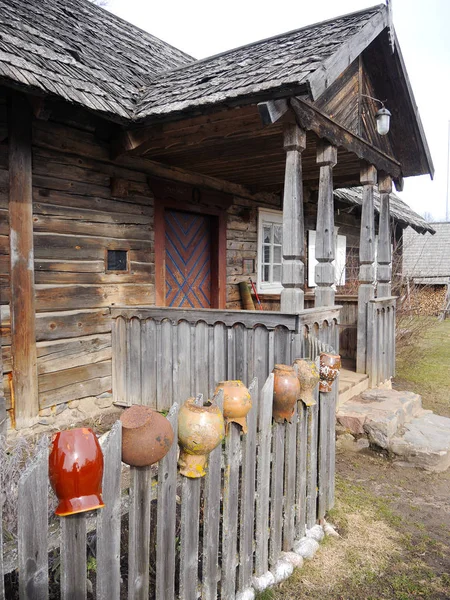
382	117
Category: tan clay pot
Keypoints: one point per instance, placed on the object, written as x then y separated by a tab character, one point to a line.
308	376
200	430
286	392
330	365
237	402
146	436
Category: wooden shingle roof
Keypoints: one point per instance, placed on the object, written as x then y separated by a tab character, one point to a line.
400	211
287	63
80	52
426	258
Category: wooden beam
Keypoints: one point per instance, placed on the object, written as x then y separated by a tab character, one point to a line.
293	270
273	110
366	289
336	64
384	255
325	243
23	327
312	119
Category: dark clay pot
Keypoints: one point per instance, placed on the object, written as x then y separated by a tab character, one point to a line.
76	471
147	436
286	392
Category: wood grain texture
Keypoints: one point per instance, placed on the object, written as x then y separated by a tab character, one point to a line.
108	519
276	492
190	506
23	327
73	557
166	516
33	529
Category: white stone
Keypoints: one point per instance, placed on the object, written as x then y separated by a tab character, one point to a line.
306	548
263	582
316	533
295	559
282	570
248	594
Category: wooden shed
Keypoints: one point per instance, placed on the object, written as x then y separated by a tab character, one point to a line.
139	186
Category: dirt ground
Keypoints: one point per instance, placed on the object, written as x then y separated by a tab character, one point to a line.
394	524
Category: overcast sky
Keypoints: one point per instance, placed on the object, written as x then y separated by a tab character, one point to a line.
205	27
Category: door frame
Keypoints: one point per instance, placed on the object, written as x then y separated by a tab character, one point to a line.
171	195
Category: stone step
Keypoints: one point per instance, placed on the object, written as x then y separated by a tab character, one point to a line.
350	385
379	414
424	442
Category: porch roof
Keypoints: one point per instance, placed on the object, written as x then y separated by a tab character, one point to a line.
399	210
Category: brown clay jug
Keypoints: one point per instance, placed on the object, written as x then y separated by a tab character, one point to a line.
308	376
286	392
330	365
237	402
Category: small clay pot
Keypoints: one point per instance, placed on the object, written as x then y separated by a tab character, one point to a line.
330	365
286	392
147	436
75	470
308	376
237	402
200	430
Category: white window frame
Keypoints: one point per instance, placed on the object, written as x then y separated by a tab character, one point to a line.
339	262
266	215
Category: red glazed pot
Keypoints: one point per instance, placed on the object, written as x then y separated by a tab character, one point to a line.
286	392
237	402
330	365
146	436
76	470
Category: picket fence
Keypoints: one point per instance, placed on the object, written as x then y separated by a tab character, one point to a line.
188	538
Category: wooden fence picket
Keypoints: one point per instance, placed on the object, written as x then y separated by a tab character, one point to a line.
108	518
166	516
276	492
211	517
139	532
323	432
247	507
311	465
263	478
190	506
73	557
290	469
33	529
301	477
230	510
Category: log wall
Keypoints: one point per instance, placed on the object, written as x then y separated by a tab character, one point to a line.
79	212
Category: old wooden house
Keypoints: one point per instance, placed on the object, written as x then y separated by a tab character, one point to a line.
138	186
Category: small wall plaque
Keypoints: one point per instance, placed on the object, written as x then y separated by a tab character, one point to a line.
248	266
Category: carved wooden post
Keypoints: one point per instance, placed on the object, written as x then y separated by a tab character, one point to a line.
384	257
366	290
23	329
325	242
292	295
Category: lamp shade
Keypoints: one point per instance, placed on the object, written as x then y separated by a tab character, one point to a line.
383	118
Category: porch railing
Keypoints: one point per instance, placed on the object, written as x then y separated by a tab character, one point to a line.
381	340
165	355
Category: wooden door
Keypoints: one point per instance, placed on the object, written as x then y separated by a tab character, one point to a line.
188	259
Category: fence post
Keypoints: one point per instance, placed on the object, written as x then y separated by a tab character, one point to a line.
73	557
108	519
263	478
166	516
33	529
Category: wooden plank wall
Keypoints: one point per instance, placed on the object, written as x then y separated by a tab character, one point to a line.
77	218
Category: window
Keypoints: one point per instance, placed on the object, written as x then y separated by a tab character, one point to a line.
270	237
339	262
117	260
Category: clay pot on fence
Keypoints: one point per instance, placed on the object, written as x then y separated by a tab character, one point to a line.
147	436
286	392
308	376
76	471
330	365
237	402
200	430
